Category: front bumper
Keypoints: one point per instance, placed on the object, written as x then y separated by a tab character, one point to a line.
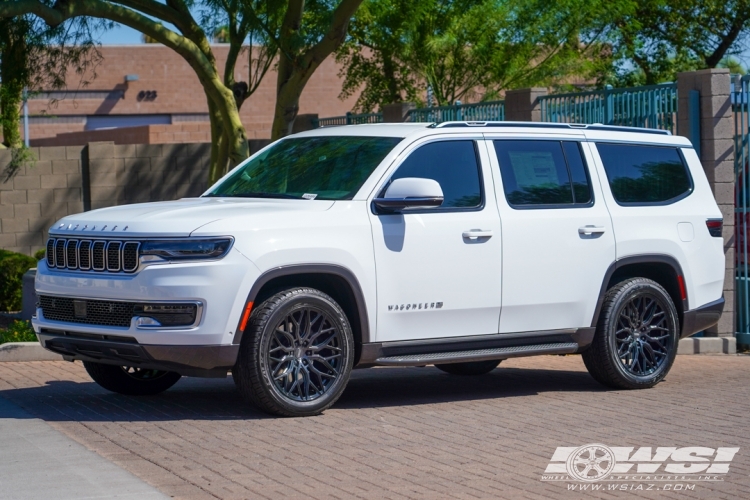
219	286
700	318
190	360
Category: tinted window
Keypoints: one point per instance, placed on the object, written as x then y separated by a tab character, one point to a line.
578	174
454	165
644	174
323	168
543	173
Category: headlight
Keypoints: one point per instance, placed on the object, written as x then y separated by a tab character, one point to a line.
187	249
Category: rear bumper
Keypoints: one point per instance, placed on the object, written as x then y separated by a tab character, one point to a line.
190	360
697	320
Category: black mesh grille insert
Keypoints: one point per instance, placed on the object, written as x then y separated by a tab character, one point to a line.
130	256
60	253
71	260
51	252
97	258
84	255
113	256
97	312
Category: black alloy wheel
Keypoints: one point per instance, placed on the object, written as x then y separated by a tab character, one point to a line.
296	354
636	337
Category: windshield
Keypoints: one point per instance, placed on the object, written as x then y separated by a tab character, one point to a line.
313	168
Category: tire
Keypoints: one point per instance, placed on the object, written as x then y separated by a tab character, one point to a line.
131	381
636	337
470	368
296	354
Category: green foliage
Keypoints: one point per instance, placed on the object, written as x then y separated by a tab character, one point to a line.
653	40
40	254
12	268
467	49
18	331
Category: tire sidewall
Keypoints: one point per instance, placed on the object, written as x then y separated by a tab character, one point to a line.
655	291
336	316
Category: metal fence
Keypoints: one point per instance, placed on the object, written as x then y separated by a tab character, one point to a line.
740	92
479	112
651	106
350	119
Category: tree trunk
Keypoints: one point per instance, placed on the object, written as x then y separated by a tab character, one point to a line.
13	78
229	144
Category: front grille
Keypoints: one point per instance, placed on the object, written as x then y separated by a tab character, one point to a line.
88	255
120	314
97	312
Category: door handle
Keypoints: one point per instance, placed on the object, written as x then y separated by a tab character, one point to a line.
473	234
588	230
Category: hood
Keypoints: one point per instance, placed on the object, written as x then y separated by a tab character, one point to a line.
175	218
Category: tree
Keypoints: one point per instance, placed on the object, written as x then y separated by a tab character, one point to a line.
34	57
290	27
464	47
655	39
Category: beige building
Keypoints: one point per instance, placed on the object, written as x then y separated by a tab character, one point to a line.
149	94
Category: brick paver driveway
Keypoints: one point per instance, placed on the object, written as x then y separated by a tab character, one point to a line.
399	433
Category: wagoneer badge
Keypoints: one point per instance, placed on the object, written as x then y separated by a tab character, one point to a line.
418	306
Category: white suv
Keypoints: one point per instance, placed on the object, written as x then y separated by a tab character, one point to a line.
457	245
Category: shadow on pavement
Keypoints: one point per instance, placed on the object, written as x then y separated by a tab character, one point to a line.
217	399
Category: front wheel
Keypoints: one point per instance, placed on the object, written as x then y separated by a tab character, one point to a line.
470	367
636	338
296	354
129	380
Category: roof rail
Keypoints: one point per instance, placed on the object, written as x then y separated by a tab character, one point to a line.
595	126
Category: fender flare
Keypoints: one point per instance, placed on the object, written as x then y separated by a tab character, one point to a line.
636	259
333	269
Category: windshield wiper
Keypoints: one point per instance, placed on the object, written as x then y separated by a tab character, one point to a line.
256	195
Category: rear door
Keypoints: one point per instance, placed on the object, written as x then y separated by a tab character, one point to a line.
557	233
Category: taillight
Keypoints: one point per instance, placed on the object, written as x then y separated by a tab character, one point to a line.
714	227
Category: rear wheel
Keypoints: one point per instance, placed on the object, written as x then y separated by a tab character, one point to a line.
129	380
636	339
296	354
470	368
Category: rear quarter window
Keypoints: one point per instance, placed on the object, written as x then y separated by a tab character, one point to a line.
645	175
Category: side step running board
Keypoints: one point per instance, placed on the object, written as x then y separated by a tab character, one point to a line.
478	354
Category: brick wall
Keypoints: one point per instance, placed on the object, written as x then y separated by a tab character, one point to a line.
71	179
178	91
177	133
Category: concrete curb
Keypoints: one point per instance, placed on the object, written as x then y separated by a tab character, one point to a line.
707	345
26	351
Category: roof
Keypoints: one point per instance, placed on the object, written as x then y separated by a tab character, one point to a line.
593	131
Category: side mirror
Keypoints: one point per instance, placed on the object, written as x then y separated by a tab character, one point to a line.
409	193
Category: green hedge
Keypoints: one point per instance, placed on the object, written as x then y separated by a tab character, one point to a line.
18	331
12	268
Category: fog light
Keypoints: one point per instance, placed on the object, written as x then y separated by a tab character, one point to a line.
167	314
146	321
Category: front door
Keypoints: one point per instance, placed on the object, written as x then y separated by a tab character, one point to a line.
439	269
558	240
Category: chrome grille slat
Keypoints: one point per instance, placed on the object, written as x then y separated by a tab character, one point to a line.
51	252
60	253
97	255
112	256
71	256
84	255
130	256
